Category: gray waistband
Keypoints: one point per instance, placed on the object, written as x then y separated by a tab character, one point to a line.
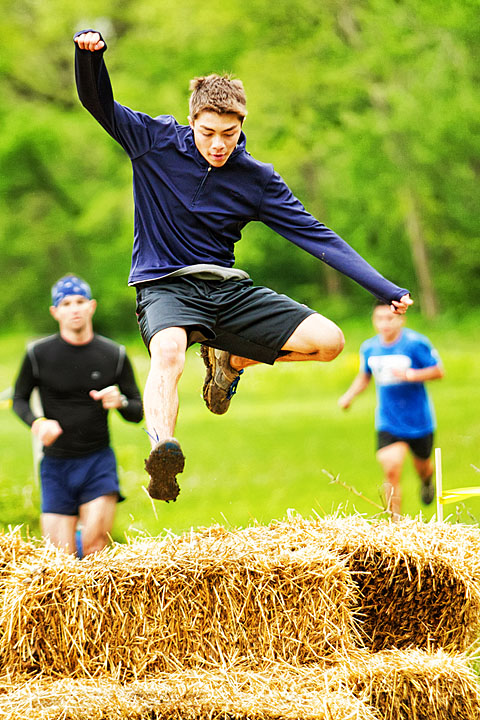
206	271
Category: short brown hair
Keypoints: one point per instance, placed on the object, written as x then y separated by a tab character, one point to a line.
217	93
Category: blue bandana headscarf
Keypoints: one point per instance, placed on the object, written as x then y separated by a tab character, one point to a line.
70	285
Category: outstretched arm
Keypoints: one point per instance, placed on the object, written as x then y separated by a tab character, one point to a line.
129	128
359	384
93	83
284	213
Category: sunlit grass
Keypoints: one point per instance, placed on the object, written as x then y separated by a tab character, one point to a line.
271	451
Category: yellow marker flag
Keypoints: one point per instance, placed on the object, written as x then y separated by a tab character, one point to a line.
458	494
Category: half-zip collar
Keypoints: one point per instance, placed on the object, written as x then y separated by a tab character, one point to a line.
202	183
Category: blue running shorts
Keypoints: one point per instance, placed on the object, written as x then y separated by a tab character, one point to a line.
68	483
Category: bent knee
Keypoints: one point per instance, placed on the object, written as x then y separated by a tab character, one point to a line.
167	351
317	336
333	343
339	342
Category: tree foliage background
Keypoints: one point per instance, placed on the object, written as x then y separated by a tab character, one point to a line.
368	108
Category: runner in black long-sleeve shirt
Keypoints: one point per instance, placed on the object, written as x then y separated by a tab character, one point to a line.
80	376
195	188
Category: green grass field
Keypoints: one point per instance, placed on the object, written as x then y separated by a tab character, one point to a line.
272	450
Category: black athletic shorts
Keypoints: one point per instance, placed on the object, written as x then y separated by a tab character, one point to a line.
421	447
234	315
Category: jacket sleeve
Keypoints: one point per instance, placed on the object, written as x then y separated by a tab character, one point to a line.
129	128
24	386
285	214
133	412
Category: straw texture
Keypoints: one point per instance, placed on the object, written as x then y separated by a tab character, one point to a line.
14	549
405	685
167	605
190	695
419	584
263	623
413	685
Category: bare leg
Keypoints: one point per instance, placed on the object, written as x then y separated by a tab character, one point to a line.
316	339
424	467
391	458
167	349
166	459
60	530
97	518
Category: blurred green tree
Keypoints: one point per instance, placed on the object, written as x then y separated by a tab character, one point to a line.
369	110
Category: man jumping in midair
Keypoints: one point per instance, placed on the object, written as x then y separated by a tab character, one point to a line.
195	188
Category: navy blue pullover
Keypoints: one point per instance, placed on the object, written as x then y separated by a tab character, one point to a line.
188	212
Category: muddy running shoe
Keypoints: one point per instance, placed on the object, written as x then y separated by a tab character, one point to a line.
221	379
428	491
165	461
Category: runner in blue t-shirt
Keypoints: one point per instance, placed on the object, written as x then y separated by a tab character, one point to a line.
400	360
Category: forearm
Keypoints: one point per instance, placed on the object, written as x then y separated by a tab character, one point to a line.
359	384
435	372
94	87
132	409
24	386
329	247
44	429
284	213
21	407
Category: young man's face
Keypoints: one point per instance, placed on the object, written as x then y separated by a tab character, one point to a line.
74	313
387	323
216	136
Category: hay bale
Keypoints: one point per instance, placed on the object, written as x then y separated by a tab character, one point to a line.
14	549
176	603
216	597
414	685
405	685
419	583
400	684
191	695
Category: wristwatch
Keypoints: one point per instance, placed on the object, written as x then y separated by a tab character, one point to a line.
123	401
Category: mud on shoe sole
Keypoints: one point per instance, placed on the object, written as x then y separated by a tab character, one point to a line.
165	461
217	397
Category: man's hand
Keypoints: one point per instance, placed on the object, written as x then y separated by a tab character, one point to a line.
400	307
404	375
110	397
345	401
89	41
46	430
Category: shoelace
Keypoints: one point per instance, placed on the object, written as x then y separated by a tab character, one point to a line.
233	387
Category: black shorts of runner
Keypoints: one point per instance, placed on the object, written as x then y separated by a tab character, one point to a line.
421	447
234	315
